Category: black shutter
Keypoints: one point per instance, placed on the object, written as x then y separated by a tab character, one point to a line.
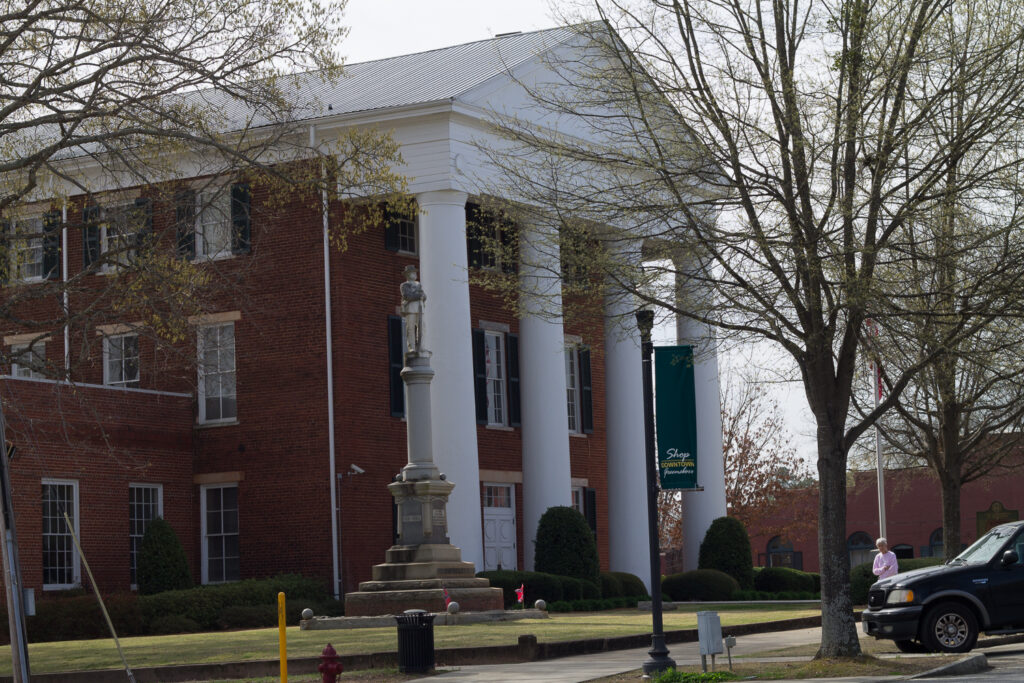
590	509
391	223
5	258
474	247
480	376
514	418
241	218
509	254
586	392
185	223
395	363
51	245
144	217
90	235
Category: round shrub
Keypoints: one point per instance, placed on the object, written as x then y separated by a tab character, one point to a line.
572	589
726	547
632	586
700	584
783	579
173	623
611	586
590	590
565	545
162	565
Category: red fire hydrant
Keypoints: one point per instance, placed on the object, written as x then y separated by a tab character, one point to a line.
329	667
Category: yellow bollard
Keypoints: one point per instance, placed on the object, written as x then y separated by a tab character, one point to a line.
282	638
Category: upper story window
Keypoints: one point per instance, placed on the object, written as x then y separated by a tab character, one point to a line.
33	247
400	233
578	391
214	223
28	360
496	371
115	232
217	399
490	240
121	360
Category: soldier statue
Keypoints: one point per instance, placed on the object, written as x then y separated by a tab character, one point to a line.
413	304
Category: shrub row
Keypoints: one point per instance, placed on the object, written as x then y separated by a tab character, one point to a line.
699	584
776	583
553	588
861	577
783	595
783	579
244	604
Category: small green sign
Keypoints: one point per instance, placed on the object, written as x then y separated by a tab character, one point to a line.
676	416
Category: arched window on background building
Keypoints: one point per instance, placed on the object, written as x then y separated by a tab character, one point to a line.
780	553
861	548
935	546
903	551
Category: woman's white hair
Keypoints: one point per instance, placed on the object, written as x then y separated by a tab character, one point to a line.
880	541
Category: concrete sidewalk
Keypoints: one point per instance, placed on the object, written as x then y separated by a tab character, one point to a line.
588	667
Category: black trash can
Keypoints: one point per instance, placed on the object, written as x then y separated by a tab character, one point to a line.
415	641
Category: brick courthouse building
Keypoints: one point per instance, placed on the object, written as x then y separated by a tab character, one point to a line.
275	458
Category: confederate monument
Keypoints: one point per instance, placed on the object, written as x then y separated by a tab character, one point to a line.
424	564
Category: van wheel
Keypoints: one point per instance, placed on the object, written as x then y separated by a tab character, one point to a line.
950	627
910	646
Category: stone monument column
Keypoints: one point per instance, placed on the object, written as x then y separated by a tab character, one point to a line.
423	568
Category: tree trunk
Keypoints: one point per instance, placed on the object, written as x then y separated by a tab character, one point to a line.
950	517
838	628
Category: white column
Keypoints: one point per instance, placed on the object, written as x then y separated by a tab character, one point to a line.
700	508
547	479
624	423
447	326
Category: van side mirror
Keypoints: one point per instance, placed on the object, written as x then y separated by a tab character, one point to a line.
1010	558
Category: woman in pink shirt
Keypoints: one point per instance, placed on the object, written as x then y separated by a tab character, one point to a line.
885	561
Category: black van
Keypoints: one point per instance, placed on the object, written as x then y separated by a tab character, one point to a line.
943	608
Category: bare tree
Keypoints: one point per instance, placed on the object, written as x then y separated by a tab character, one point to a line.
774	159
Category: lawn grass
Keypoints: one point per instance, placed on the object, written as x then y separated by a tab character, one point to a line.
228	646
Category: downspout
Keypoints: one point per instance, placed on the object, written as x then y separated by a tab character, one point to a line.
67	302
335	546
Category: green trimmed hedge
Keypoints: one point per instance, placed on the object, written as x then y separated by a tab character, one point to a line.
565	545
244	604
594	605
611	586
631	584
861	578
783	579
700	584
540	586
784	595
726	547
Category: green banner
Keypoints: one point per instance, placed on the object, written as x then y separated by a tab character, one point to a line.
676	416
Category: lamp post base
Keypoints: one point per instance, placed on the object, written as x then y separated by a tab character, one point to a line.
659	661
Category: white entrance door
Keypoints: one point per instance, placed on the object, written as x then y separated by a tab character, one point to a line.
499	527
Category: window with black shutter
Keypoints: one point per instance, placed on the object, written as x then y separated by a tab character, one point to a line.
480	376
399	232
185	223
512	345
586	392
241	218
144	220
590	509
51	245
396	327
90	235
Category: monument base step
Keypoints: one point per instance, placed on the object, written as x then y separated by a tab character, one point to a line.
376	602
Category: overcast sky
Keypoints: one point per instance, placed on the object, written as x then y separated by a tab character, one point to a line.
387	28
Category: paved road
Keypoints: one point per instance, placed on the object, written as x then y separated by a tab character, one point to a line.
1006	662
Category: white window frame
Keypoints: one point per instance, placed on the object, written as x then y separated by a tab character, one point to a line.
210	201
204	371
408	231
29	242
125	211
497	378
37	349
578	502
572	388
76	570
107	354
135	540
205	573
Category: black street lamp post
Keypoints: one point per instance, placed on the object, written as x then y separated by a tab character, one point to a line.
659	661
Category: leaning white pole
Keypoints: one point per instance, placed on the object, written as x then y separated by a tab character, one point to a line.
879	464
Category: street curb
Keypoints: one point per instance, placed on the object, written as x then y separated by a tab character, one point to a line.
972	664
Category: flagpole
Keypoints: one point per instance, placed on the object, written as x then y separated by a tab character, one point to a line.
879	464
